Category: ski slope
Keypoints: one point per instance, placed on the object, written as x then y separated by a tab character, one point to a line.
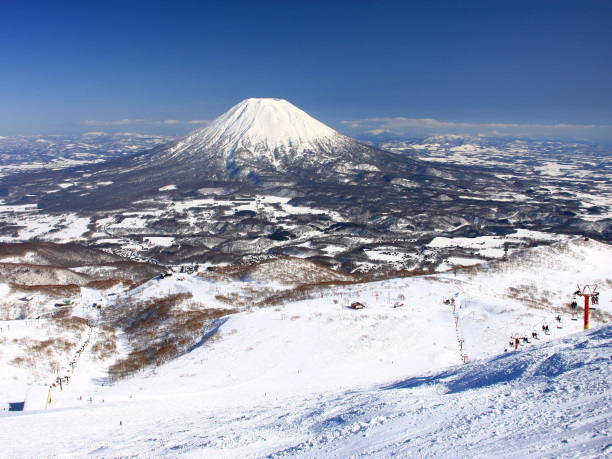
315	378
552	400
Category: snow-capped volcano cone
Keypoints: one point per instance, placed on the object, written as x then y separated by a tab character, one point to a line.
261	124
259	143
263	133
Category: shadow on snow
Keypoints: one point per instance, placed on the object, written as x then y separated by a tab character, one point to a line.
535	362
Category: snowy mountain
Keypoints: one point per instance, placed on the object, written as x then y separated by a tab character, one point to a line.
266	142
470	342
307	376
260	144
261	126
357	196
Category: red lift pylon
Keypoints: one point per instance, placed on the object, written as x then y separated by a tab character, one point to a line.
591	296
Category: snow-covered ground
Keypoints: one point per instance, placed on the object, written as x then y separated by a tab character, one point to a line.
315	378
581	168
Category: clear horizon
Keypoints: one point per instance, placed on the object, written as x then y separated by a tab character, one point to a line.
539	69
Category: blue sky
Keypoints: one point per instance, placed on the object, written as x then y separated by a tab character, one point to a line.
532	67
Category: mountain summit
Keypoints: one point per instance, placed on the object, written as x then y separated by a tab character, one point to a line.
260	135
262	124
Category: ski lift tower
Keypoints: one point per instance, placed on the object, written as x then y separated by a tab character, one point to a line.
591	296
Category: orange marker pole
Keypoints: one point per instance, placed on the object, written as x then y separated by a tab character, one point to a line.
586	311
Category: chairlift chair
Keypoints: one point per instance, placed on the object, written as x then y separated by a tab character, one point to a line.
575	315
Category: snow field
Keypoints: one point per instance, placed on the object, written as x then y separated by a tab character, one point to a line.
535	403
314	378
68	227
